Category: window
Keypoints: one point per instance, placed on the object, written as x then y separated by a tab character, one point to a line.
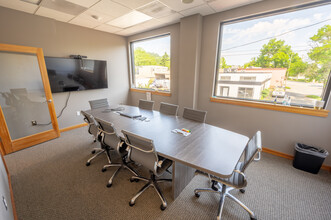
151	63
224	91
248	78
225	78
245	93
283	58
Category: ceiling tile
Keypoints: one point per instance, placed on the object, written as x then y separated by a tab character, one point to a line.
101	17
132	30
202	9
130	19
82	21
57	15
110	8
133	4
108	28
154	23
177	5
156	10
220	5
174	18
19	5
84	3
63	6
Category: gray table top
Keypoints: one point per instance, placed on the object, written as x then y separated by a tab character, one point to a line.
209	148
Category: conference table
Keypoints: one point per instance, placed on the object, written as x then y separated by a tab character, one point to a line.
208	148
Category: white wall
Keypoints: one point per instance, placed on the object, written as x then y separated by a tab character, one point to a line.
60	39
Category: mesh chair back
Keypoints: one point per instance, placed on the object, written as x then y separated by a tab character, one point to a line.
141	151
168	109
146	104
98	103
93	125
108	134
195	115
253	148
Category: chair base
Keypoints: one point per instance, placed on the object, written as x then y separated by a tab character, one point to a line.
224	192
97	152
150	182
119	167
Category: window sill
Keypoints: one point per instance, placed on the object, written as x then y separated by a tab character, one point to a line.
151	91
274	107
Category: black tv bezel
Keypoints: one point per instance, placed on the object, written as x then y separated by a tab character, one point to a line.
69	58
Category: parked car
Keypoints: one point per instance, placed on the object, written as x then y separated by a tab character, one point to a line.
279	92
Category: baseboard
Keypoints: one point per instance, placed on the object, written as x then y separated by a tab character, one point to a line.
290	157
73	127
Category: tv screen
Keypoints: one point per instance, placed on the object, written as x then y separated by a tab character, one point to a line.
67	74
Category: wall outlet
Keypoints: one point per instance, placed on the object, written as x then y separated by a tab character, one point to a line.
78	113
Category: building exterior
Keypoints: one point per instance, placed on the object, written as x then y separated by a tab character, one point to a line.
241	84
278	74
158	75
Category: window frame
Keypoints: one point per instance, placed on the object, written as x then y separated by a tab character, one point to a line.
132	67
265	104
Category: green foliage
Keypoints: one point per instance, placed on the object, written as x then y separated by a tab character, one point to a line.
313	97
148	85
287	87
143	58
275	54
320	54
265	93
223	64
165	60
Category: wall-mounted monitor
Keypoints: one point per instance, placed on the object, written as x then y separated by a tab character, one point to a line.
67	74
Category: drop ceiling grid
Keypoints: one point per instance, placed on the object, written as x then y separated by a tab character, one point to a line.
162	12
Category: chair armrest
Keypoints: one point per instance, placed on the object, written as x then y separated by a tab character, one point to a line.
241	173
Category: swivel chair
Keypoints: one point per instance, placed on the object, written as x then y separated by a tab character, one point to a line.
110	138
238	180
142	151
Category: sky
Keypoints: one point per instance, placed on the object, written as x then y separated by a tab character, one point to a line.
244	32
158	45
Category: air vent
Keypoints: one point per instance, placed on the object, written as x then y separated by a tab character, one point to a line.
63	6
156	10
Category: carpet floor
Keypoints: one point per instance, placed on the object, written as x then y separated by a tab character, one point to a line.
50	181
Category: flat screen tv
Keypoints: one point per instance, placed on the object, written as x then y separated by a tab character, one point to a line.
68	74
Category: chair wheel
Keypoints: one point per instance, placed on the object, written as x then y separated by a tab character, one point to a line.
253	218
95	141
131	203
163	207
197	195
88	164
134	180
109	185
242	190
103	169
93	152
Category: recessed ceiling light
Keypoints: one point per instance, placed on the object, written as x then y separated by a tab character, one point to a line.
96	17
130	19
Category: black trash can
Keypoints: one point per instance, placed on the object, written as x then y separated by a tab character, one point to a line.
309	158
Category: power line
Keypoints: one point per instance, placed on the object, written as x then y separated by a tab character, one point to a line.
267	38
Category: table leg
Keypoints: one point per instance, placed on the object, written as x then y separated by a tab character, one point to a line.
181	177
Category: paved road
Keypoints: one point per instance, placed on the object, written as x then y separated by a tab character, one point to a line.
299	91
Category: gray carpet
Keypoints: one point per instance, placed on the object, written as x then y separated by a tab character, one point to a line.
51	181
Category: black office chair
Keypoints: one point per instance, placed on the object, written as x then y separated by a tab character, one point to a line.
94	130
110	138
238	180
98	103
195	115
169	109
144	104
142	151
